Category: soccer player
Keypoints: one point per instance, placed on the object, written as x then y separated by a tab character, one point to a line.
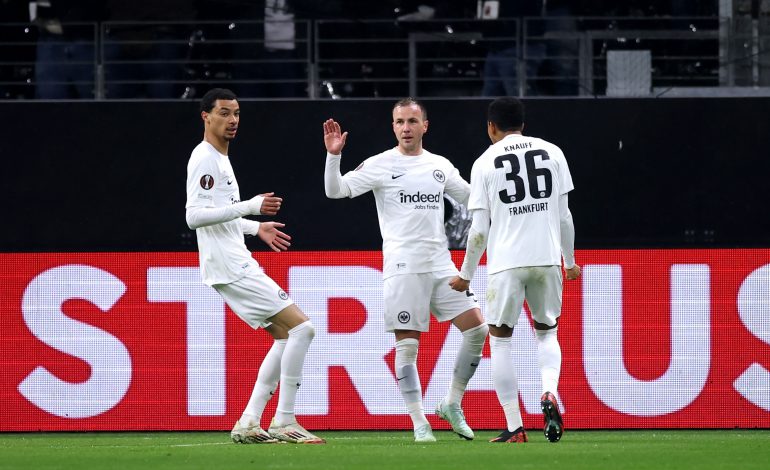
518	202
216	213
408	183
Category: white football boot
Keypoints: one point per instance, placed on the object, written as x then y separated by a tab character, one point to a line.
454	415
293	433
424	433
250	434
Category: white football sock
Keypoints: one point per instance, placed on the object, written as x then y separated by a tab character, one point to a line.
293	358
504	380
467	361
409	380
549	359
267	382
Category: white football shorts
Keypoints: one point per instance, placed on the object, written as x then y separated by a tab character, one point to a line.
411	298
539	285
254	297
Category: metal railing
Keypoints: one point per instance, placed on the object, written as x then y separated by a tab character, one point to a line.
543	56
426	58
683	52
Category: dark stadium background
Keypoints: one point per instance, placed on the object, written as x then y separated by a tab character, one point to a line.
110	176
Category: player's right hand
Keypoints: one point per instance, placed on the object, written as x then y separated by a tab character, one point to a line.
270	204
334	138
573	272
459	284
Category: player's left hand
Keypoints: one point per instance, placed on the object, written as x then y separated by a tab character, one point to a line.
459	284
274	238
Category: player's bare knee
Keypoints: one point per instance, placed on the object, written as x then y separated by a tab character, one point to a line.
289	318
544	326
468	319
406	334
502	331
277	332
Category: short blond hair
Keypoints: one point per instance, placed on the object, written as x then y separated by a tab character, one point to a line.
409	101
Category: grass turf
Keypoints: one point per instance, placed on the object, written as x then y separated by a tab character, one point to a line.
677	449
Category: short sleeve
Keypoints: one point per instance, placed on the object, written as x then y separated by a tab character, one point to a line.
202	173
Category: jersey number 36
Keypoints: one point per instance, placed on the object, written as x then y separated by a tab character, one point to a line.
533	175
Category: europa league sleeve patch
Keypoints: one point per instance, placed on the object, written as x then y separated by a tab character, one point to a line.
207	181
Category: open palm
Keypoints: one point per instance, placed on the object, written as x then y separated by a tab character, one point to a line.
334	138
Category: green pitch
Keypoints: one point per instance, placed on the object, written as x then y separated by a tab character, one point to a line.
743	449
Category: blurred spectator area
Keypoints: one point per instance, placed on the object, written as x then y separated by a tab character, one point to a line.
282	48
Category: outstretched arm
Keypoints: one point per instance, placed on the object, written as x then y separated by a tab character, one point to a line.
263	204
197	216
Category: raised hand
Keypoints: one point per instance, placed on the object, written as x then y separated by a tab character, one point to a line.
274	238
271	204
334	138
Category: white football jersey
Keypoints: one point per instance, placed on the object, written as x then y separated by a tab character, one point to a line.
409	193
519	180
211	182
